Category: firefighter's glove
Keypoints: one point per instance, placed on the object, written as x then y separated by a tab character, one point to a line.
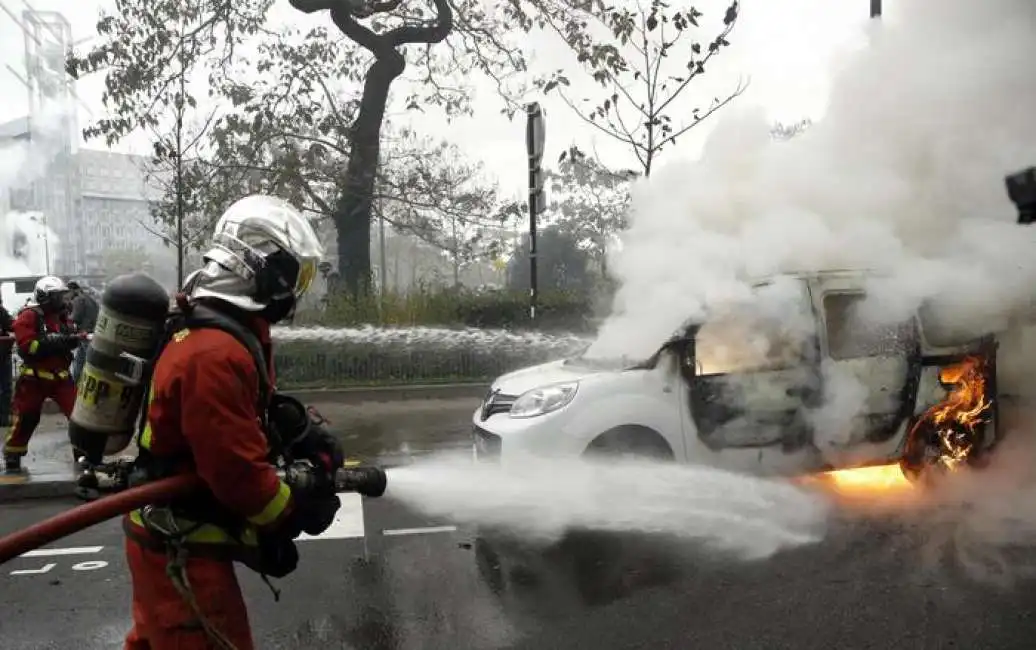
302	432
57	343
277	556
315	514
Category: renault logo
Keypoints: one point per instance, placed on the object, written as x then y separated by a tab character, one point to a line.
487	404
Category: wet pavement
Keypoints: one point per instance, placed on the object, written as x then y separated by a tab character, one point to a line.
384	578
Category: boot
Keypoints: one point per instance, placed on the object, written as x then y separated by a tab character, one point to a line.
12	464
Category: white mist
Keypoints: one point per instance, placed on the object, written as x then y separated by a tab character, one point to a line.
540	500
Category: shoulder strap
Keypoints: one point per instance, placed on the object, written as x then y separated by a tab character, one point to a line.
202	317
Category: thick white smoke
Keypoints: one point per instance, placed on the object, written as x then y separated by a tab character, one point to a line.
904	174
26	241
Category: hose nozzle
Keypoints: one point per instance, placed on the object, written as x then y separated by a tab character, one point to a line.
368	481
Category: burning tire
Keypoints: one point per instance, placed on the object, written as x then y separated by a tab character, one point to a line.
952	433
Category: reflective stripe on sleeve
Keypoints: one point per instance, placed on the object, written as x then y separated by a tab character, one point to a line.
145	435
275	508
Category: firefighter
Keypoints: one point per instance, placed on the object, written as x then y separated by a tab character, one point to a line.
46	340
83	308
211	411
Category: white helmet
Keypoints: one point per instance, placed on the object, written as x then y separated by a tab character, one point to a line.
264	257
49	291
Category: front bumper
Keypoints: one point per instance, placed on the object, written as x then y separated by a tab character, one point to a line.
501	438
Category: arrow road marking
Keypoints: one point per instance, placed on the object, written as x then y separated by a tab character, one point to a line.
45	568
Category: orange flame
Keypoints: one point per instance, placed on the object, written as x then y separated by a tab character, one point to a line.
864	482
957	419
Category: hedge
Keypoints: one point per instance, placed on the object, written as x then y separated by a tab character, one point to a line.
428	336
419	355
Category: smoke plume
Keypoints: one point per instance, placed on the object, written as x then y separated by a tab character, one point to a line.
903	175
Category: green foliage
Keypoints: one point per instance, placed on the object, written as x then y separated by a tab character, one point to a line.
589	202
314	365
562	265
558	310
635	104
307	127
150	45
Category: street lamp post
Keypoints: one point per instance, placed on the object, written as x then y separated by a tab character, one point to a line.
875	8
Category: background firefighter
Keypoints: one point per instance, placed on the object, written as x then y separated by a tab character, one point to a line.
209	412
45	339
84	310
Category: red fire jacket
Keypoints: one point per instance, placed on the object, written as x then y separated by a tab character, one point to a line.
204	407
29	332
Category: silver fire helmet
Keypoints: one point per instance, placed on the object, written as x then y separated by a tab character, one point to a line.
250	230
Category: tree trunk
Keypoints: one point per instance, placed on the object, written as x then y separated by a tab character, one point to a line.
352	215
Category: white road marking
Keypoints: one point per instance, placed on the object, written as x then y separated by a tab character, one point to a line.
348	522
418	531
24	572
90	565
51	552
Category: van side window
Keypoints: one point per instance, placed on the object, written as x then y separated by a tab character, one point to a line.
851	335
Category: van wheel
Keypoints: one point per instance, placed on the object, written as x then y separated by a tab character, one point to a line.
632	442
921	461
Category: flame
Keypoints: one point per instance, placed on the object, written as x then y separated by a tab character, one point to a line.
863	482
958	418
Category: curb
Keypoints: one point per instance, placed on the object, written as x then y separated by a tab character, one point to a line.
57	489
355	394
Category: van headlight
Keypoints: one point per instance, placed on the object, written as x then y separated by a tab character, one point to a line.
543	400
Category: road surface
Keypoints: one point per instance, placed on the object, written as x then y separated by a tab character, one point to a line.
384	578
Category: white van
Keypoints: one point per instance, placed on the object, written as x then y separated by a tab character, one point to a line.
713	395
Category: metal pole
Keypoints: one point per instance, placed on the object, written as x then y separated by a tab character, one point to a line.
381	255
875	8
534	139
179	179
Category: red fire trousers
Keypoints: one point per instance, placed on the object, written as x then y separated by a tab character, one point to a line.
30	391
163	620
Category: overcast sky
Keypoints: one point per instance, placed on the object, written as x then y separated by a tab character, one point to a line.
786	47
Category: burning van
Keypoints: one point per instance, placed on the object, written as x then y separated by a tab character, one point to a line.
801	377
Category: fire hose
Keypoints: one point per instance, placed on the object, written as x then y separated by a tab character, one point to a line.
367	481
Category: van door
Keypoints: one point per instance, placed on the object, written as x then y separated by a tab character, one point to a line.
870	369
755	370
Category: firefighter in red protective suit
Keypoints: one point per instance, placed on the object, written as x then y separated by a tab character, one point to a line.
46	340
211	411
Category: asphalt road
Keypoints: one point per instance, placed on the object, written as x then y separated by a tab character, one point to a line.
388	579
